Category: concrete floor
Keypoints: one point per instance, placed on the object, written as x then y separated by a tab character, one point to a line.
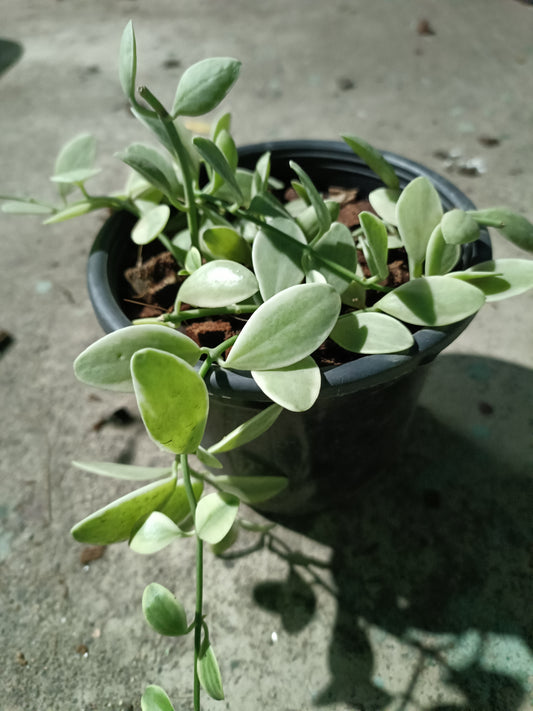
420	597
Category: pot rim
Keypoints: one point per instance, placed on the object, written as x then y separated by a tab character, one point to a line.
365	372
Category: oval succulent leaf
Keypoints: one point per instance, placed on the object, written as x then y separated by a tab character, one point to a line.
115	522
316	200
516	228
75	176
251	489
248	431
130	472
172	400
106	363
371	333
209	673
286	328
215	514
150	225
295	387
375	243
418	212
510	277
127	62
76	154
203	86
155	699
153	166
177	507
432	301
441	256
163	611
226	243
214	158
458	227
337	246
154	534
384	200
76	209
218	283
277	268
375	160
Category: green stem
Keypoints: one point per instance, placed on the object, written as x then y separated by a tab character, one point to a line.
183	160
198	614
214	354
232	310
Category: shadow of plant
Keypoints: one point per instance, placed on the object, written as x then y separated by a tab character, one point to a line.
10	53
436	554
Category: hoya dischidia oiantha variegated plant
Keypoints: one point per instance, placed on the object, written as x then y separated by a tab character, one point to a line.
289	269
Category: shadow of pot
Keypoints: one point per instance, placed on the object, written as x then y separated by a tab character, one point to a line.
358	425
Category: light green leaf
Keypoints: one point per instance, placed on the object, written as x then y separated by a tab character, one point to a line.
277	263
511	277
354	295
431	301
308	221
458	227
261	174
77	154
156	533
177	507
115	522
384	200
214	157
251	489
21	206
154	167
375	244
440	255
266	205
375	161
336	245
163	612
316	200
209	673
227	243
215	514
155	699
371	333
76	209
203	85
286	328
130	472
295	387
76	176
127	61
229	539
193	260
516	228
172	400
150	225
106	363
208	459
248	431
222	124
418	212
218	283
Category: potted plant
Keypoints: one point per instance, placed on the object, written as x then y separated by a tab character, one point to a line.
255	408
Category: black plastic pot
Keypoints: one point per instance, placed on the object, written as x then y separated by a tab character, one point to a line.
361	418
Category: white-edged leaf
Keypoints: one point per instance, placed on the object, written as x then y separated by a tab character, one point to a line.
154	167
295	387
375	160
209	673
251	489
335	245
150	225
214	157
441	256
77	154
277	264
156	533
226	243
510	277
75	176
375	244
316	200
127	61
458	227
218	283
155	699
130	472
203	85
418	212
371	333
248	431
23	206
106	363
384	200
163	612
215	514
516	228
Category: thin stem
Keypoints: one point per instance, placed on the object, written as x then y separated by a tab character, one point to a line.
214	354
188	314
198	614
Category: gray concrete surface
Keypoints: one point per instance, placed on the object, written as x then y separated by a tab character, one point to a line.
420	598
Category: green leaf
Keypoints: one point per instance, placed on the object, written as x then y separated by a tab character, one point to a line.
77	154
375	161
516	228
218	283
336	245
286	328
418	212
511	277
76	209
123	471
215	514
127	61
227	243
115	522
154	167
432	301
154	534
177	506
308	220
209	673
22	206
229	539
172	400
277	264
320	207
222	124
458	227
76	176
261	174
214	157
203	85
248	431
163	612
106	363
155	699
295	387
193	260
375	244
251	489
440	255
266	205
384	200
371	333
150	225
208	459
